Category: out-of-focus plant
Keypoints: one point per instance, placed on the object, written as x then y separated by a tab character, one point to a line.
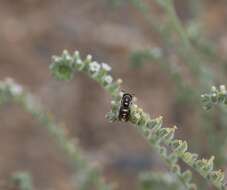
181	45
187	44
115	3
159	181
162	139
87	175
215	96
189	38
139	57
181	48
21	181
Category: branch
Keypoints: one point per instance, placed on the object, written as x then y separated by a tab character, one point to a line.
194	53
184	48
159	181
215	96
87	175
64	67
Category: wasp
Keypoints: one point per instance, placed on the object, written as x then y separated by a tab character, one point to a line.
124	111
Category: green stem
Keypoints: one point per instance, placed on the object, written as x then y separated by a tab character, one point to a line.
160	138
87	176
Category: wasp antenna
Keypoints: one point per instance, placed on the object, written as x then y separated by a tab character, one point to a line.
123	91
134	98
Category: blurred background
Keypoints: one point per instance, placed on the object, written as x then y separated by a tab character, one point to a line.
146	48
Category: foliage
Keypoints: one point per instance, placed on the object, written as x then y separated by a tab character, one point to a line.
162	139
159	181
186	41
87	175
215	96
181	45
